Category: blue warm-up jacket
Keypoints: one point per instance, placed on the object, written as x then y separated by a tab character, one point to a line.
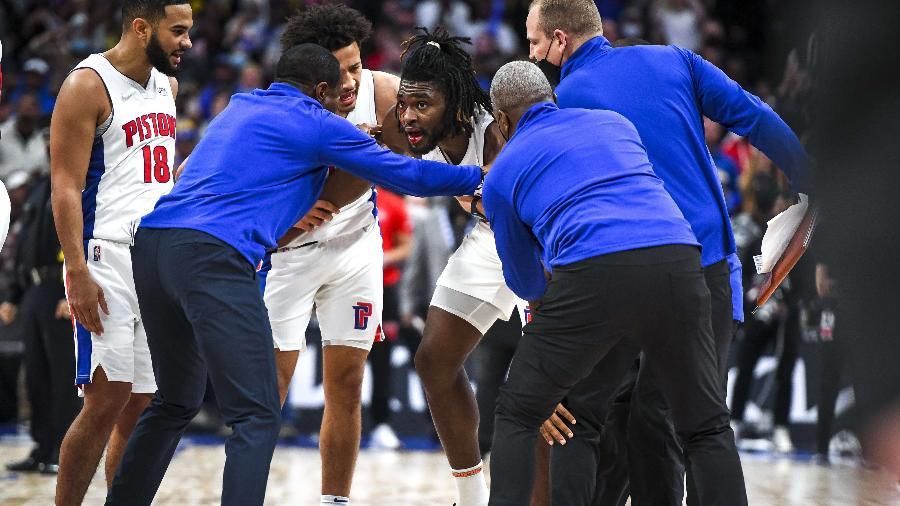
573	184
665	91
263	162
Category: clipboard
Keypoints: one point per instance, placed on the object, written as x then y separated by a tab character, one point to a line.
795	249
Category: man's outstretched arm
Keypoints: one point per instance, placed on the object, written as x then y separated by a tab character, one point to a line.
343	145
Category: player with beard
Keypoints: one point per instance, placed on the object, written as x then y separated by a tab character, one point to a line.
446	117
332	259
112	143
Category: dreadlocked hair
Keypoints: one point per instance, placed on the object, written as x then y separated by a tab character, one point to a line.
439	58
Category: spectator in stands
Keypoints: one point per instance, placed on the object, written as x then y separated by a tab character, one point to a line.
36	82
679	22
36	296
728	170
454	15
768	324
251	78
223	81
835	355
246	30
11	345
631	25
21	145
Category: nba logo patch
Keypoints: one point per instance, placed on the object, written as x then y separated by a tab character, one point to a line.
362	312
96	253
528	315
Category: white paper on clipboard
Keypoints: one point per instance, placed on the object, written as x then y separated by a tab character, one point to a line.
778	234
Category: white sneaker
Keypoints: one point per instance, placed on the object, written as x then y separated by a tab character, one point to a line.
845	444
781	439
383	438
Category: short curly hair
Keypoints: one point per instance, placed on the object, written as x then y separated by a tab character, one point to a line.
330	25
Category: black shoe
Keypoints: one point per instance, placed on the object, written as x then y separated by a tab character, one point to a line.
26	465
48	468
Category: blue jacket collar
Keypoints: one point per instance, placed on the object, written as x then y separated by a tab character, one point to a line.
597	45
533	114
285	89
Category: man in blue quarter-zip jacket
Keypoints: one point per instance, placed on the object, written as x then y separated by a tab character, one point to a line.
260	167
665	91
573	193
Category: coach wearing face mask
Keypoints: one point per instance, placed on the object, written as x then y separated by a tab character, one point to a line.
665	91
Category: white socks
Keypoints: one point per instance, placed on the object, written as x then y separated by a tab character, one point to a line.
473	490
335	499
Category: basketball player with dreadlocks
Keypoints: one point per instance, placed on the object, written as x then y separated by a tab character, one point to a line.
446	116
332	258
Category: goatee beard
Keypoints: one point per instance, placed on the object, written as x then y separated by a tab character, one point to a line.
432	138
158	58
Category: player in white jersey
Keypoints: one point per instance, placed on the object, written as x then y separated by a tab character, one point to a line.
333	259
112	145
445	116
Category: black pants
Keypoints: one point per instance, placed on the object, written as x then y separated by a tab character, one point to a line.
654	297
204	314
380	359
592	468
9	386
834	355
492	358
646	460
757	336
49	369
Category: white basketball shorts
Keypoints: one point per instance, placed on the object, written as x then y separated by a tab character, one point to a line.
472	285
122	350
342	277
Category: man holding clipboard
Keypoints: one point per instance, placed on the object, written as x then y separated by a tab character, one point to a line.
665	91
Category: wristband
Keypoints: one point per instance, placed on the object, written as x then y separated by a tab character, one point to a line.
474	209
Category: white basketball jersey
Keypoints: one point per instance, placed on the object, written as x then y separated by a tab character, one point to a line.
361	212
475	152
474	156
131	160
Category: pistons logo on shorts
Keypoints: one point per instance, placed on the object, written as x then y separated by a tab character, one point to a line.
96	253
362	310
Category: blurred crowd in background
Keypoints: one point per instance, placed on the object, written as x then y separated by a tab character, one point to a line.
235	44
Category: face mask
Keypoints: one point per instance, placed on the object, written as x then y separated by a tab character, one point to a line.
552	72
502	134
